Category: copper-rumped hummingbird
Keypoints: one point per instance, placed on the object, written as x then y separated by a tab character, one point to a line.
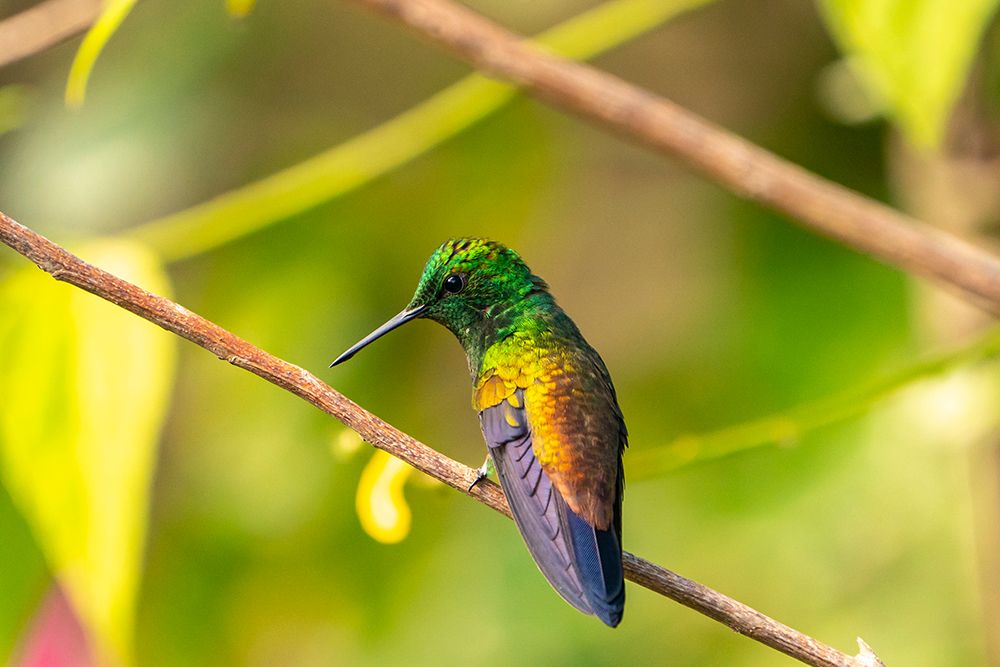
547	409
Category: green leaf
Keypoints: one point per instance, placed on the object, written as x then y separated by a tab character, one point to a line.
85	387
914	55
24	577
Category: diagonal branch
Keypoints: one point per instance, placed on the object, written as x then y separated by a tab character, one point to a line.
43	26
64	266
737	164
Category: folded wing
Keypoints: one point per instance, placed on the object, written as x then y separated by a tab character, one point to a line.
581	562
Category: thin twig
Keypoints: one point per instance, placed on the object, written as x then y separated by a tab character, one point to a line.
739	165
44	25
173	317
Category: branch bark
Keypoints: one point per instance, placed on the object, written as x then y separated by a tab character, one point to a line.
43	26
739	165
173	317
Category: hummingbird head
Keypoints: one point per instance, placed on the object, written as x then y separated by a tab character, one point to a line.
466	280
465	284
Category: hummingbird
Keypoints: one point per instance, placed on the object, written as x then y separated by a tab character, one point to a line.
548	412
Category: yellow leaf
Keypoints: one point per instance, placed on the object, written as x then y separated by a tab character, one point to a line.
380	503
240	8
85	386
914	55
93	43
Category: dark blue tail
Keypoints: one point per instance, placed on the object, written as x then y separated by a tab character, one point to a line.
598	557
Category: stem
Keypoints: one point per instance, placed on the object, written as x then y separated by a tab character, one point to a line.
364	158
793	424
737	164
173	317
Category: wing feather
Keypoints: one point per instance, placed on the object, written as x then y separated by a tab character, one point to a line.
530	494
583	563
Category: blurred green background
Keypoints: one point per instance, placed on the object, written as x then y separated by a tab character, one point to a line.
865	503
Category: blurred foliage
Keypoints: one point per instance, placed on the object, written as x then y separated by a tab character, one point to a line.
788	428
85	387
93	43
380	502
23	575
915	55
240	8
709	312
350	165
15	103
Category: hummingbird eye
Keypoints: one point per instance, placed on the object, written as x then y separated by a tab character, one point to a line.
454	283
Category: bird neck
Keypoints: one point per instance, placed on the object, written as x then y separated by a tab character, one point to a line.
529	315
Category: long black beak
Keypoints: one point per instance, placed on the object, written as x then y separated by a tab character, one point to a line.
397	321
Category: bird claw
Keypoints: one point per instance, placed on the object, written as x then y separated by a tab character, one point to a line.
481	473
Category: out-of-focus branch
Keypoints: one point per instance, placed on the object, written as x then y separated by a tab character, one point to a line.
43	26
173	317
395	142
734	162
792	424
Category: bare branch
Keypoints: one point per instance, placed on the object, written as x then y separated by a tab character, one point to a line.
64	266
43	26
737	164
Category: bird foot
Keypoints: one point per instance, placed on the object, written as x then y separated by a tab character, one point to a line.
481	473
